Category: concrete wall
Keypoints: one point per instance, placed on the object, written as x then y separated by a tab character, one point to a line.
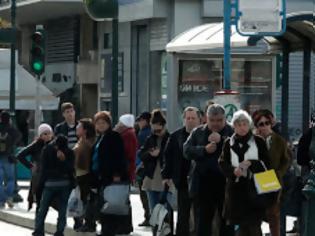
125	48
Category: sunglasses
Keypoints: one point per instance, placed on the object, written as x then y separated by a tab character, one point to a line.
262	124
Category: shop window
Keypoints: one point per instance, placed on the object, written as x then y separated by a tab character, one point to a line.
200	79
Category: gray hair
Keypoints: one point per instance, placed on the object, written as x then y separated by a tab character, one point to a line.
215	109
195	109
240	116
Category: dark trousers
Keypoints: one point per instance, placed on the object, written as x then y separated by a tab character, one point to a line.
145	202
92	210
206	206
253	229
184	206
273	218
84	184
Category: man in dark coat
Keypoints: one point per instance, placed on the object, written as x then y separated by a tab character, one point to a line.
207	184
176	167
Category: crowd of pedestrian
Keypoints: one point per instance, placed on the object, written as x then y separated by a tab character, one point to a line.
208	161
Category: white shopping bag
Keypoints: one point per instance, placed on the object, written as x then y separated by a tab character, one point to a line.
75	205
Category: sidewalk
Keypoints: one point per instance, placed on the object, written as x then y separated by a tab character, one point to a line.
21	217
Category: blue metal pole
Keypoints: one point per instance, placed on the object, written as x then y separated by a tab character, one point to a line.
227	44
12	66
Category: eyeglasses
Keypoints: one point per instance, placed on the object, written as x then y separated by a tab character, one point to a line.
262	124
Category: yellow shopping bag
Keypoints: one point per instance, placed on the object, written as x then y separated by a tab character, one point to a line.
267	182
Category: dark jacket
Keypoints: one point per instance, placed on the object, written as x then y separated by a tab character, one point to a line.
143	135
10	137
206	170
176	167
111	159
53	169
237	209
149	161
62	128
34	150
279	155
303	155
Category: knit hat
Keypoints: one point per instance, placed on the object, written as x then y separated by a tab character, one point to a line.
44	128
127	120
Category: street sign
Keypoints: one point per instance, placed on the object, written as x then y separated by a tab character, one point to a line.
256	17
230	100
7	35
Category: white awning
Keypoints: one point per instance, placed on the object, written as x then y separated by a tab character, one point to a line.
204	37
25	90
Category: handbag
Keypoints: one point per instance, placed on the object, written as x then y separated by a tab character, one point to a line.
116	199
266	182
257	198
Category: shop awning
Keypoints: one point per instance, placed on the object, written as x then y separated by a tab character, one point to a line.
206	37
25	88
36	11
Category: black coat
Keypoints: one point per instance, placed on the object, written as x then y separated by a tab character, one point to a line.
62	128
237	209
206	171
34	150
149	161
111	159
303	155
176	167
52	168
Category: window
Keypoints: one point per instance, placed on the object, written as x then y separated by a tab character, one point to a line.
200	79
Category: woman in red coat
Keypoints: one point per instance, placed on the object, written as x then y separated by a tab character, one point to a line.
128	134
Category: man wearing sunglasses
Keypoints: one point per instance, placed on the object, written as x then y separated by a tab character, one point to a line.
207	184
176	167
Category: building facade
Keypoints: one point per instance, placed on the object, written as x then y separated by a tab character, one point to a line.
79	53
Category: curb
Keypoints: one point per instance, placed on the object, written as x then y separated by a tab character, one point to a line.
29	223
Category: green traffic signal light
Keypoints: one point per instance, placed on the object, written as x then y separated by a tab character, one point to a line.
37	66
37	61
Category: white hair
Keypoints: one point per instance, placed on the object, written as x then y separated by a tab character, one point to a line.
240	116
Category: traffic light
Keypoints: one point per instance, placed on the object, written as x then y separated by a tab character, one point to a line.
38	52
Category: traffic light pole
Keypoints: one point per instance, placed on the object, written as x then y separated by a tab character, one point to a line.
12	67
37	108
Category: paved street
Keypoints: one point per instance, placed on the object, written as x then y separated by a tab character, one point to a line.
10	229
20	210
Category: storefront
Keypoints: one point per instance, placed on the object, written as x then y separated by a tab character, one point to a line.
197	71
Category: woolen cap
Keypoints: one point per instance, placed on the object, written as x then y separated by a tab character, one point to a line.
127	120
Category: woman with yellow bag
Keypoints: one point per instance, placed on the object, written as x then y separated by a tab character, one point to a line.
279	161
243	155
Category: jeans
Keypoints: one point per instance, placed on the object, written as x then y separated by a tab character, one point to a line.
154	198
61	193
6	175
